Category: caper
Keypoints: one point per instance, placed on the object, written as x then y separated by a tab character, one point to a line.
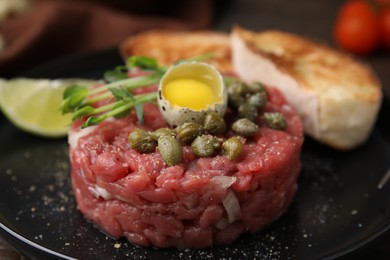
275	120
205	145
259	100
141	141
249	111
162	131
188	131
214	123
232	147
245	127
256	87
238	88
170	149
235	100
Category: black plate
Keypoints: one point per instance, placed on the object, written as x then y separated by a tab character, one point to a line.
338	208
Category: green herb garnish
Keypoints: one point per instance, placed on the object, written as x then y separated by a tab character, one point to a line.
79	100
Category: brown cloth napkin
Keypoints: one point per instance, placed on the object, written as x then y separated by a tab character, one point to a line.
54	28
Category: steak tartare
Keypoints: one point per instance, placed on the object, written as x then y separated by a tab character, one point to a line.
197	203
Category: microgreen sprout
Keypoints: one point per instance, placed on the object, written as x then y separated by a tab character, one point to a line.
80	100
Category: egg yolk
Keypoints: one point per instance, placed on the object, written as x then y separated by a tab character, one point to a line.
190	93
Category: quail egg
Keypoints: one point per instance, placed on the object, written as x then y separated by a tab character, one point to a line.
189	90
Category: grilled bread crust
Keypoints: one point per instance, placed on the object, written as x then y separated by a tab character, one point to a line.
337	97
170	46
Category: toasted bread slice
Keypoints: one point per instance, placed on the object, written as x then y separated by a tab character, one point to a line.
337	97
170	46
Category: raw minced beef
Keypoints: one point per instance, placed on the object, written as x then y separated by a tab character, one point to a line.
198	203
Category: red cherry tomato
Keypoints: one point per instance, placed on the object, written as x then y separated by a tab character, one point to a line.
384	17
357	27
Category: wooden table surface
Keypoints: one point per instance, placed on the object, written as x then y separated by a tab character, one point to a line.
309	18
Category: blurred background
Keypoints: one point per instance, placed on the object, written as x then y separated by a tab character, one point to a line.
33	32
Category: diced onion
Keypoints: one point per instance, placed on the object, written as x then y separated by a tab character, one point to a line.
232	206
224	181
103	193
222	224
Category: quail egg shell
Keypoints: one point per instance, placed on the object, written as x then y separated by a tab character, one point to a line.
189	90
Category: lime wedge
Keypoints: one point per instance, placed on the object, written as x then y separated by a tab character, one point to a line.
33	105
